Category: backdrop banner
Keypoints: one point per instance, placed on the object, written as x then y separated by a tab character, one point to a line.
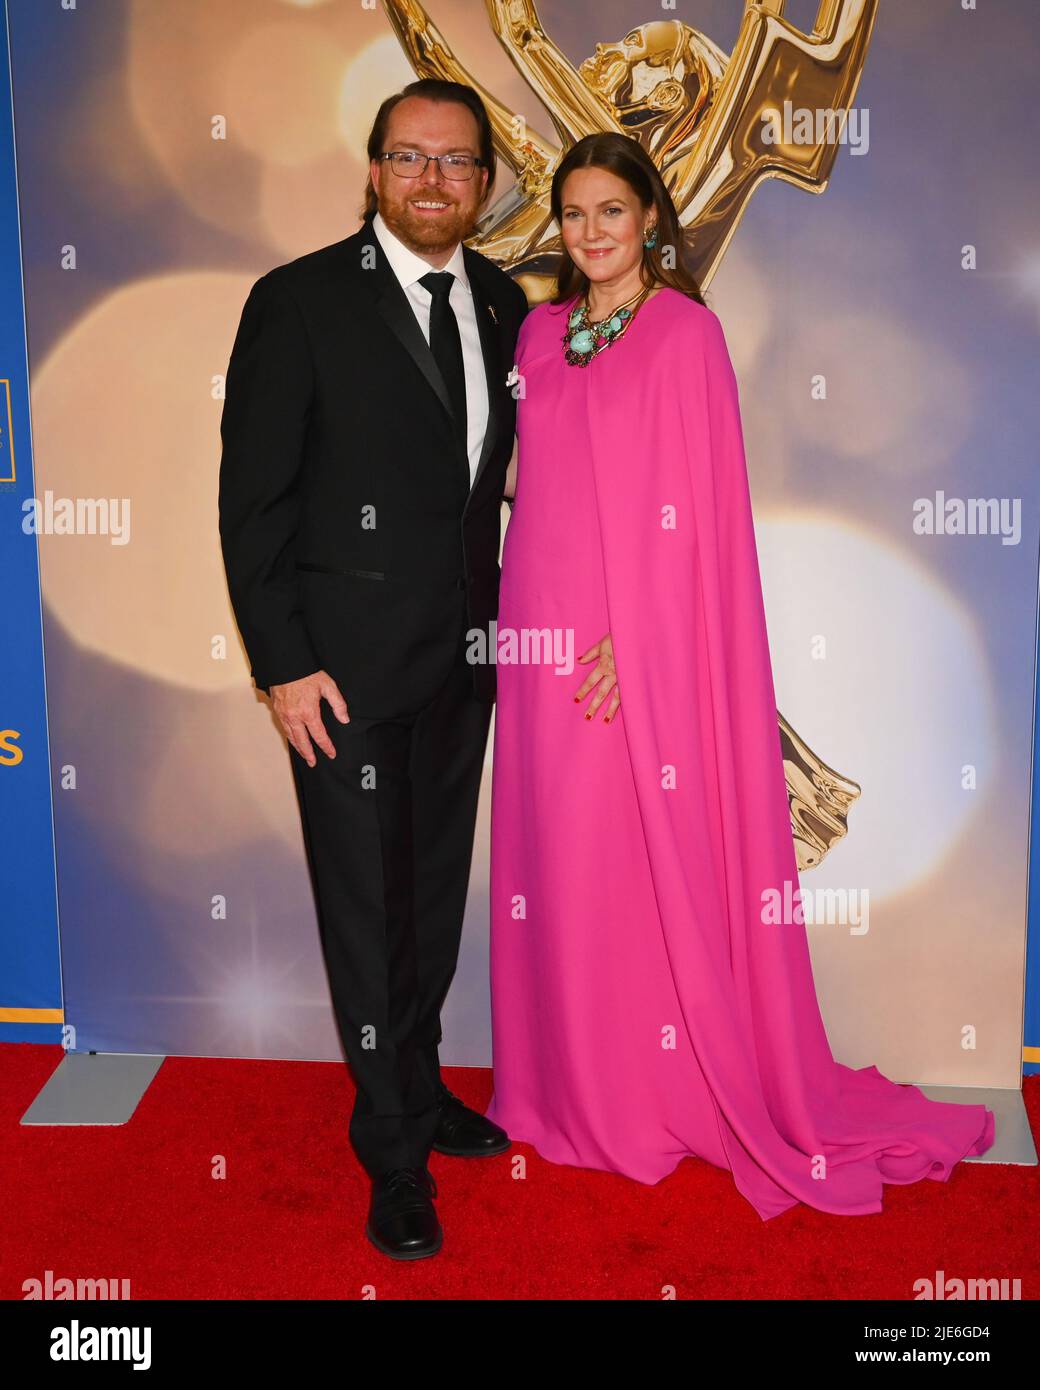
30	983
884	337
1031	1048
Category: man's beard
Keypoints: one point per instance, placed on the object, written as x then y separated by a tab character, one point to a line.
429	233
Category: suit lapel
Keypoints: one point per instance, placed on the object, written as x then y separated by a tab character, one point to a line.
391	302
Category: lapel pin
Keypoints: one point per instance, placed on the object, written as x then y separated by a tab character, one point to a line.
491	311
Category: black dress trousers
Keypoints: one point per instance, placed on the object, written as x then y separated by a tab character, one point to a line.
388	826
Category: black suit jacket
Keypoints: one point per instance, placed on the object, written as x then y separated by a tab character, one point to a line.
351	538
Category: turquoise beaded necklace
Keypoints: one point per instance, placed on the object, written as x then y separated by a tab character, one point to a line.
583	339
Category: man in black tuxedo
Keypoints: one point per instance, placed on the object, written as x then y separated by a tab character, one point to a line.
367	429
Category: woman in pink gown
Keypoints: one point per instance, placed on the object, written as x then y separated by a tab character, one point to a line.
652	989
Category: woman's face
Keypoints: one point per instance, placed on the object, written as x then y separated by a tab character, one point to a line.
603	224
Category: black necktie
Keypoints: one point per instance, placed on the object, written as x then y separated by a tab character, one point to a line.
446	345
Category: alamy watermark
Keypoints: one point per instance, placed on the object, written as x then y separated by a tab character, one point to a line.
821	125
524	646
969	516
78	516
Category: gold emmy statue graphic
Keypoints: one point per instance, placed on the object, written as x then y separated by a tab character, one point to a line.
714	126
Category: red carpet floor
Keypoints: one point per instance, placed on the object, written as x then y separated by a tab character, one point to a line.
139	1202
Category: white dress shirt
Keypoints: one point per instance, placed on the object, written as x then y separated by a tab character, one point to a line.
409	269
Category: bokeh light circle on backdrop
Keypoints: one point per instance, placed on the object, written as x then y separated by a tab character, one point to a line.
900	703
296	85
113	421
897	399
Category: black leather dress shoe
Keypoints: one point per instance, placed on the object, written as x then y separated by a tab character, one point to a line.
464	1133
402	1221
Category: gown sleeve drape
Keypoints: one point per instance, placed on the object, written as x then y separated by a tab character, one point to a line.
688	626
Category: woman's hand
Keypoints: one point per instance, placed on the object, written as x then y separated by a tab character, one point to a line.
602	678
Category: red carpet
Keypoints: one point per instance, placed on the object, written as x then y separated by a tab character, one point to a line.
139	1202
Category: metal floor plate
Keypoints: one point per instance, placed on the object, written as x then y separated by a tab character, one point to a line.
93	1088
1012	1138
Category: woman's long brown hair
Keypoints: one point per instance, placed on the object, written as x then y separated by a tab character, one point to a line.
625	157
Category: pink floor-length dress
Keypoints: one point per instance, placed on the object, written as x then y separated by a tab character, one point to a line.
642	1009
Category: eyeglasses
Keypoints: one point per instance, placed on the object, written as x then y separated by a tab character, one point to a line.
410	164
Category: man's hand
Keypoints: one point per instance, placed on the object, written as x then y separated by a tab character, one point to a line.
602	678
298	707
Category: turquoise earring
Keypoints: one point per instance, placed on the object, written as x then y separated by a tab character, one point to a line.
651	241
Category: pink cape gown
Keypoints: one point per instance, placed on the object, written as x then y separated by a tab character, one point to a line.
642	1009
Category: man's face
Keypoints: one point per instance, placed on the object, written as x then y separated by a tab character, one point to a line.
431	127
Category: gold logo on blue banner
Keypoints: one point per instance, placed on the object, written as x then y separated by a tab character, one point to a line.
6	436
9	753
